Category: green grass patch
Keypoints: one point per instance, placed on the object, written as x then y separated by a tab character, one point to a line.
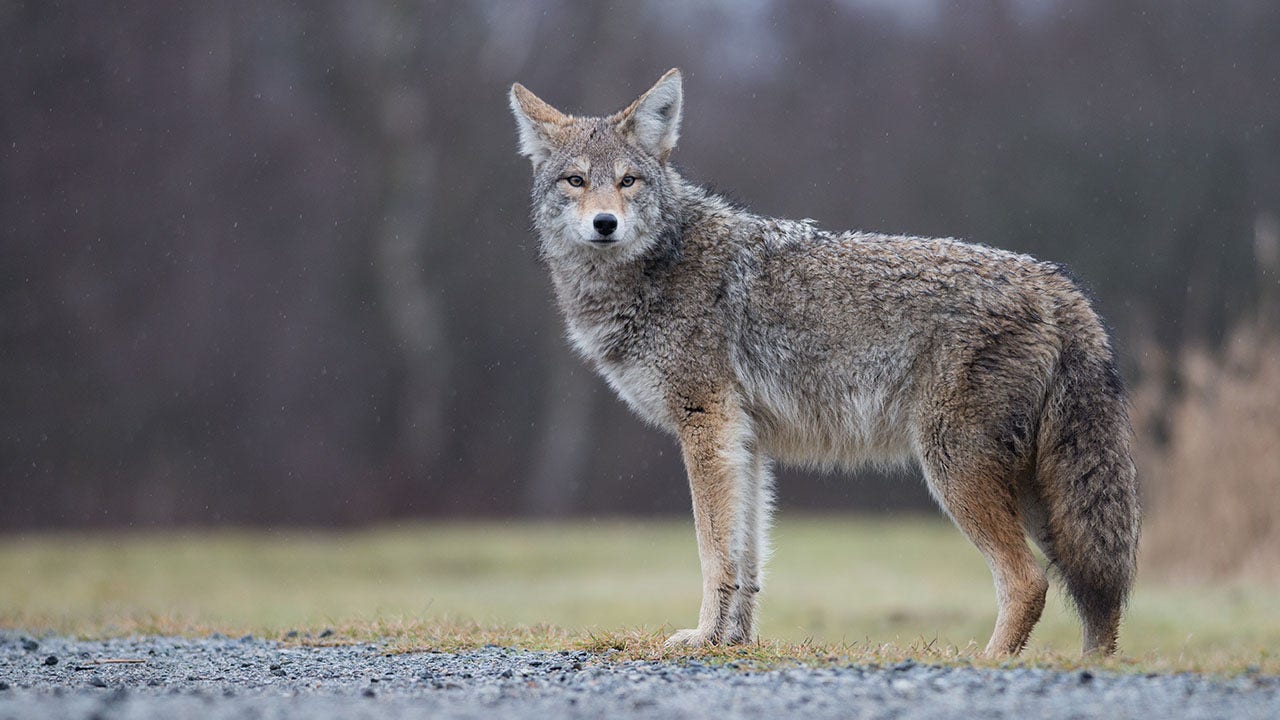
839	589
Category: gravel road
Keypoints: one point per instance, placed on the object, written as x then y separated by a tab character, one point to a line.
220	677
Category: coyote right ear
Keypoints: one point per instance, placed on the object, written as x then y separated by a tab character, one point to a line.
538	123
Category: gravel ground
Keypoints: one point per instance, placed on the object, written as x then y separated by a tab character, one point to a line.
220	677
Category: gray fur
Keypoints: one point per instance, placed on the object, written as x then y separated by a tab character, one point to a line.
772	338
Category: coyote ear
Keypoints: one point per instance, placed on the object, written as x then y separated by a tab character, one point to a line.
653	121
537	123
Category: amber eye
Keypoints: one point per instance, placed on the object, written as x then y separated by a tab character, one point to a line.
575	180
627	181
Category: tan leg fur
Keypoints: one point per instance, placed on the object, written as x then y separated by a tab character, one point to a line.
715	440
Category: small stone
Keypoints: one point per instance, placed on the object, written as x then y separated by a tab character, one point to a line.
274	666
246	639
506	673
291	634
30	645
904	686
368	692
905	665
1086	677
51	660
278	672
97	682
4	685
327	632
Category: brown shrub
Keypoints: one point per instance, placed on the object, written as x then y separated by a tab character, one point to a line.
1209	458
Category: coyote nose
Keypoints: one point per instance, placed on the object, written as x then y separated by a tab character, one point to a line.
605	223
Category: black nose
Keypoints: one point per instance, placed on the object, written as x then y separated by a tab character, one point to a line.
605	223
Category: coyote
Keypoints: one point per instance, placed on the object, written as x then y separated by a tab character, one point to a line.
755	339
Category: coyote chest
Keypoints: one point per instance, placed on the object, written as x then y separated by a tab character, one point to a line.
609	345
641	386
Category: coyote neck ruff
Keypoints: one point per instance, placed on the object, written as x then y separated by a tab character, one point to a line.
753	339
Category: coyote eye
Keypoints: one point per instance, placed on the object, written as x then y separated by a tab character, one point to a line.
575	180
627	181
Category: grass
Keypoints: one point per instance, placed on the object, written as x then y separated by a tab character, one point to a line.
839	589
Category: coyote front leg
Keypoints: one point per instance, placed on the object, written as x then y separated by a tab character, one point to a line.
751	549
716	443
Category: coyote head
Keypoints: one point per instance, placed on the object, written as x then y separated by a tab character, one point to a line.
601	184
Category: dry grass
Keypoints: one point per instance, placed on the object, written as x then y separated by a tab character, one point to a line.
643	644
841	590
1214	487
399	635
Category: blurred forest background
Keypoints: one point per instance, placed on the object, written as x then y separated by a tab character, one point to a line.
269	262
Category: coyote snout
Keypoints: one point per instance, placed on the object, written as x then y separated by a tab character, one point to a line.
605	224
753	339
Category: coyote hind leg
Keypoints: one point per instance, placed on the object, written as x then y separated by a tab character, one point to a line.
980	498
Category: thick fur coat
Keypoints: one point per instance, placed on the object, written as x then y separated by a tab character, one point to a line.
754	339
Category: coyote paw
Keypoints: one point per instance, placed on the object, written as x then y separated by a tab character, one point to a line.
737	635
691	638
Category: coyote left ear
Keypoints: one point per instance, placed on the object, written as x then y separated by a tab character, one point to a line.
653	121
537	122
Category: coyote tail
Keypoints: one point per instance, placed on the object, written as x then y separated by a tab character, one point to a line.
1087	475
